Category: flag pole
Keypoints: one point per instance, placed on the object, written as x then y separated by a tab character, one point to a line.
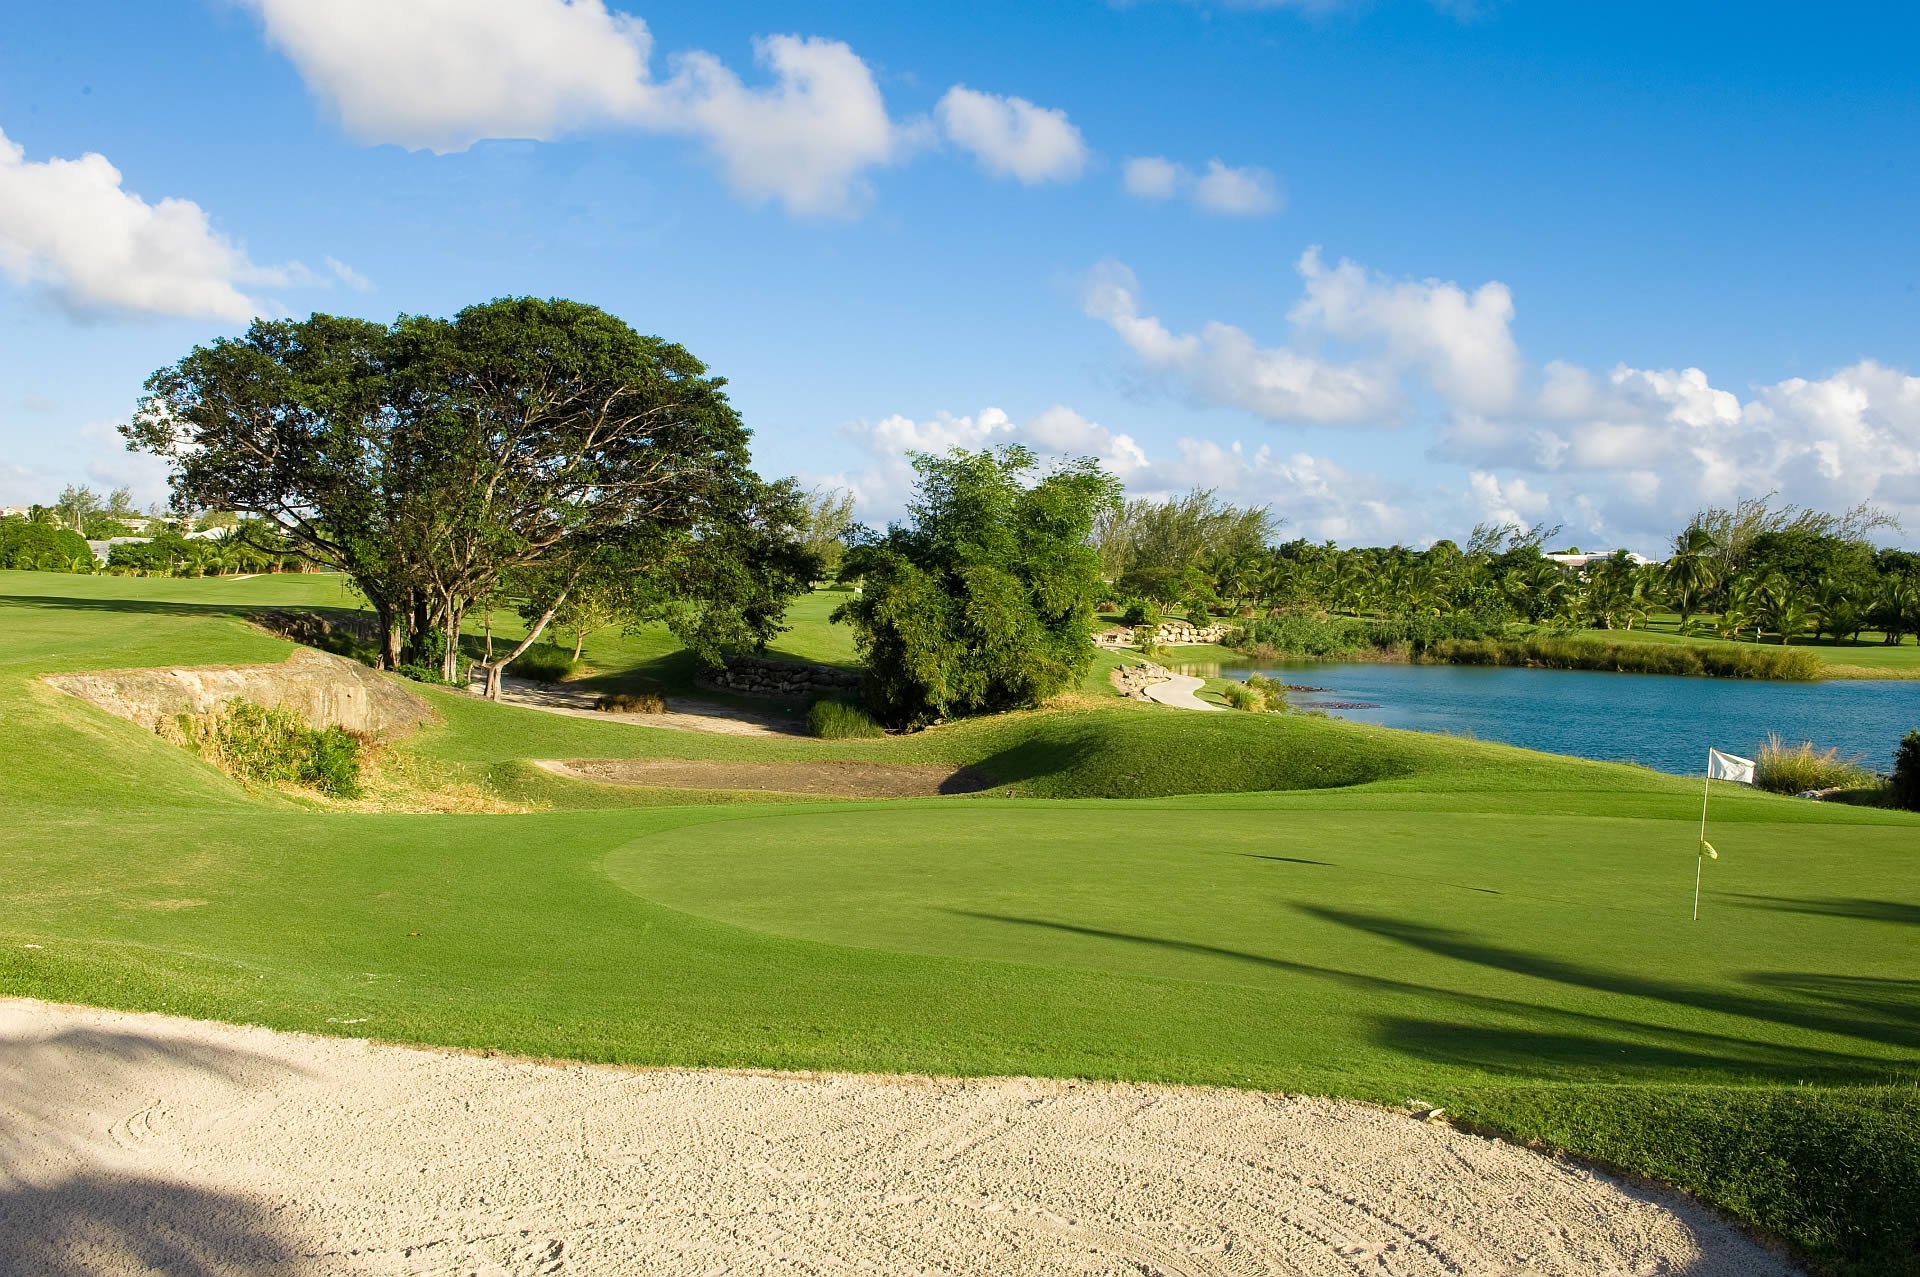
1699	852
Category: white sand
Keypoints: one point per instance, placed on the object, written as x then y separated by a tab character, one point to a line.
140	1143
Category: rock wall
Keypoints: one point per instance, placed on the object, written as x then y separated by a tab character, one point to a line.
1133	680
757	676
326	690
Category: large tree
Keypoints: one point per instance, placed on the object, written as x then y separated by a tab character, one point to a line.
983	600
432	459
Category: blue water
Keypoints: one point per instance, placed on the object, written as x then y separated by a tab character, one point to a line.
1656	720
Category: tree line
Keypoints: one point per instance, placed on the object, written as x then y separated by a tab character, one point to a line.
1756	569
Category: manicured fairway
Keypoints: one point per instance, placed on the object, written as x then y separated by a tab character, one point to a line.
1501	932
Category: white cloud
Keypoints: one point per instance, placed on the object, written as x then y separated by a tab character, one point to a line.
441	75
808	139
71	228
1318	498
1242	192
1151	177
1223	364
348	275
1461	341
1011	137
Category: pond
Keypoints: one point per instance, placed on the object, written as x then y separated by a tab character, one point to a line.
1656	720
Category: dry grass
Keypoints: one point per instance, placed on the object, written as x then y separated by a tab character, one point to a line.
631	703
1797	769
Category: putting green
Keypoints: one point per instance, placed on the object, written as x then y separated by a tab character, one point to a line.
1461	939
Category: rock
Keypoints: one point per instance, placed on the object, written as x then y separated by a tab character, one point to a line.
326	690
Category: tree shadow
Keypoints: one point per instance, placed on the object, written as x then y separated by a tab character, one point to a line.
62	1212
1895	911
1538	1035
1462	947
167	607
1289	860
1035	758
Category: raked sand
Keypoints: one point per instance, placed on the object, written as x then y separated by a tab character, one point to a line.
144	1143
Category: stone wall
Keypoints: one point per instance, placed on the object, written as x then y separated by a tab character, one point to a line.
757	676
326	690
1134	680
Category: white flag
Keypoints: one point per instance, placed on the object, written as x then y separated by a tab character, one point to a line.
1729	767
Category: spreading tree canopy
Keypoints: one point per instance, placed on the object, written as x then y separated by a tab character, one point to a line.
437	460
984	599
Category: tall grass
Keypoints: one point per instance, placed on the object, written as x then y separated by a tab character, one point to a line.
1784	664
263	746
1795	769
832	719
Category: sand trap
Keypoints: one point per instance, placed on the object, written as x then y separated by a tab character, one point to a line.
135	1143
829	779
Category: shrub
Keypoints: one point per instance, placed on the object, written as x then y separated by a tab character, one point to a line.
1272	690
631	703
1240	696
832	719
545	663
1906	772
28	546
1200	613
1140	612
1639	658
263	746
1784	769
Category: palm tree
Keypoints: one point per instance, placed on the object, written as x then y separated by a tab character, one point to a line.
1838	613
1693	570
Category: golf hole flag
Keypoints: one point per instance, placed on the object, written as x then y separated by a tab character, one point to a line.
1729	767
1719	767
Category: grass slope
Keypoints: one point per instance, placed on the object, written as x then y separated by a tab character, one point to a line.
1498	931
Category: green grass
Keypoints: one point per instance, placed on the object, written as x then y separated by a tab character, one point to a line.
1498	931
1840	658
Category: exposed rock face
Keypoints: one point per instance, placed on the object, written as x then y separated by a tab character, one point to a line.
759	677
1134	680
326	690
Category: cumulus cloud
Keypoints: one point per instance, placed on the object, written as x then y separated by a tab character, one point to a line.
1223	364
1318	498
1462	341
1151	177
1011	137
70	228
1243	192
441	75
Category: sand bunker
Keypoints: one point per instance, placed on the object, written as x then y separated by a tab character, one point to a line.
133	1143
828	779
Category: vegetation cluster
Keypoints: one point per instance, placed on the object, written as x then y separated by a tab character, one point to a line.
264	745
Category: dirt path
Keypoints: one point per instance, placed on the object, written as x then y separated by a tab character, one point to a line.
138	1143
826	778
1178	691
684	713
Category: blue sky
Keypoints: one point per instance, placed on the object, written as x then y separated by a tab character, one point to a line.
1394	267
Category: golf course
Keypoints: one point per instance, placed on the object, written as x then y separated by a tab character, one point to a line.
1280	903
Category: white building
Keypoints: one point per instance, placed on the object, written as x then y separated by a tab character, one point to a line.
1579	561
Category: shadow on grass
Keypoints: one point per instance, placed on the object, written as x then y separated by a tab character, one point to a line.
62	1213
1511	1035
164	607
1896	911
1287	860
1462	947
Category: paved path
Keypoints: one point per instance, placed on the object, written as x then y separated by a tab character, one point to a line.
1178	692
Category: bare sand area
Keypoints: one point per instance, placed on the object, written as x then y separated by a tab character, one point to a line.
831	779
150	1144
684	713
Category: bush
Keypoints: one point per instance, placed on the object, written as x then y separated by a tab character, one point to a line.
1141	612
631	703
1240	696
263	746
1906	772
832	719
1272	690
1783	769
43	547
545	663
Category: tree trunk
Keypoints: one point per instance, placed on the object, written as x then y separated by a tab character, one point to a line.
579	641
450	658
496	668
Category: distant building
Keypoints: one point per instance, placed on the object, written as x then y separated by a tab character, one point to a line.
103	549
1578	561
16	512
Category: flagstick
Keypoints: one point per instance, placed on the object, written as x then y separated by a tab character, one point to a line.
1699	853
